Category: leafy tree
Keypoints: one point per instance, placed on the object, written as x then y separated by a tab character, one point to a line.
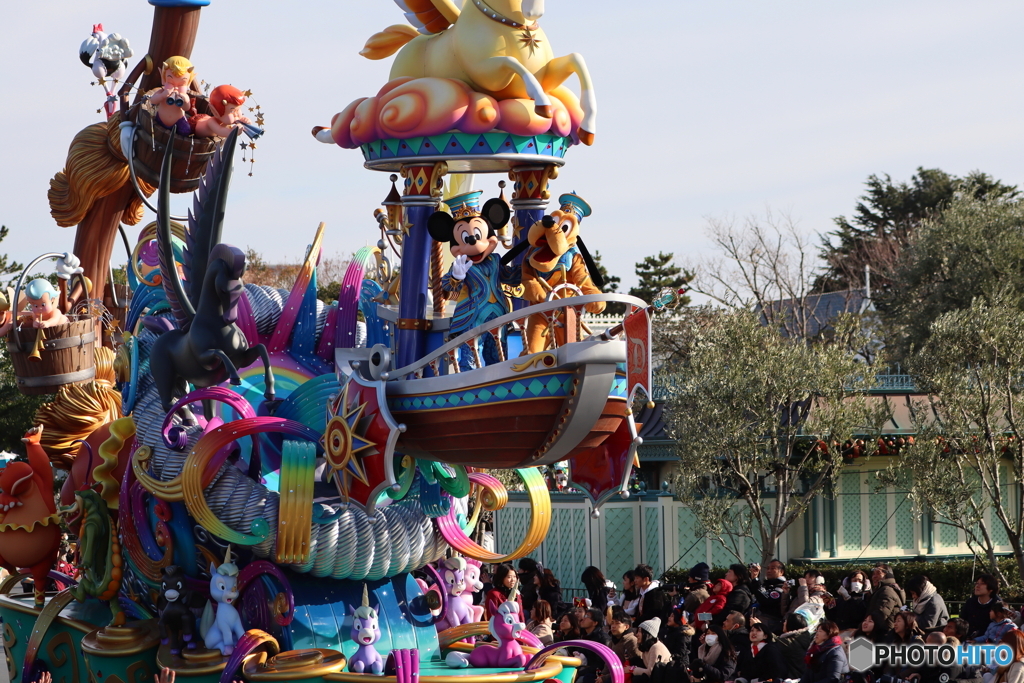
611	286
967	464
758	418
16	410
9	270
975	248
885	220
657	273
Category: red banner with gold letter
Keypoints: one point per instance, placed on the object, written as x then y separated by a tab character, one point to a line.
637	326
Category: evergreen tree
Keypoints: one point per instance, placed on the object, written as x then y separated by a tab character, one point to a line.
9	270
886	218
657	273
611	286
16	410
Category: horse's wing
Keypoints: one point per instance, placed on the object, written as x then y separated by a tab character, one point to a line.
173	288
206	217
429	16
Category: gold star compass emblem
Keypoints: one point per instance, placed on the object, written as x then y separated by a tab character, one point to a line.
529	40
344	441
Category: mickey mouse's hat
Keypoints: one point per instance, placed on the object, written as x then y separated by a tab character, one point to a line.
466	205
575	203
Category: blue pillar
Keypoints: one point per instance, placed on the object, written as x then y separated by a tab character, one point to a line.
422	194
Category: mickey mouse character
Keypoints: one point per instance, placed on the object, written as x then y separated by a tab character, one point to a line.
477	274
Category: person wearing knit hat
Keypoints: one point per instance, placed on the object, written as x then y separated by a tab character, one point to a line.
652	650
699	572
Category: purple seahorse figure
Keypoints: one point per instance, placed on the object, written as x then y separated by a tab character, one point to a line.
366	632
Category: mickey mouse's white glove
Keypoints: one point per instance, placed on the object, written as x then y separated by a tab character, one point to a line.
461	267
68	265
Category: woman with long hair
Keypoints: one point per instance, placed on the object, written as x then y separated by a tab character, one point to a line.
597	591
1014	671
905	630
716	657
568	628
652	650
763	659
505	584
548	587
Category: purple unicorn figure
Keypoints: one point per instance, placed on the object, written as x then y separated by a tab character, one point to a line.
505	627
453	571
366	632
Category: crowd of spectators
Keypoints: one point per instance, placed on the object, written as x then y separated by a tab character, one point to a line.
754	627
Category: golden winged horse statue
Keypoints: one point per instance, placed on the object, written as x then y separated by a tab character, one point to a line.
497	47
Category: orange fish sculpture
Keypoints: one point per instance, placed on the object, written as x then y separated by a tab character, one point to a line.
29	523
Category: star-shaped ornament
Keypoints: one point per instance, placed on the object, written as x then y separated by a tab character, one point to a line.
529	40
343	443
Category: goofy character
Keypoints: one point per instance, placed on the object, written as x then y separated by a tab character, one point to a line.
557	256
477	274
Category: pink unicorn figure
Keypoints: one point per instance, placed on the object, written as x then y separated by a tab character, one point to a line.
453	571
473	585
366	632
505	627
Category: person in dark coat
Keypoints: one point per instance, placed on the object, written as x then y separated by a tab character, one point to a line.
851	601
740	598
548	588
698	587
735	627
716	659
772	596
976	609
597	590
793	644
653	601
527	587
826	659
887	598
762	658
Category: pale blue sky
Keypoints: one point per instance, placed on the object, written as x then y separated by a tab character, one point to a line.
706	109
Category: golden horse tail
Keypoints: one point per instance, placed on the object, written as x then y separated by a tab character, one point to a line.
120	431
95	167
75	412
388	42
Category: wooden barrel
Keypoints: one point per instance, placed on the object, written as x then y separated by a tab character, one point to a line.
66	357
191	153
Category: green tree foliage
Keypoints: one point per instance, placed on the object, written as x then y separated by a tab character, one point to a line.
16	410
885	220
967	464
611	286
757	418
657	273
975	248
9	270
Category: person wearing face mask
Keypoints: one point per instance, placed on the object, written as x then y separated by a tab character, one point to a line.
762	659
716	659
851	601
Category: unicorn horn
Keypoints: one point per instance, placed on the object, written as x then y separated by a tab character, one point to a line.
227	555
366	596
514	593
